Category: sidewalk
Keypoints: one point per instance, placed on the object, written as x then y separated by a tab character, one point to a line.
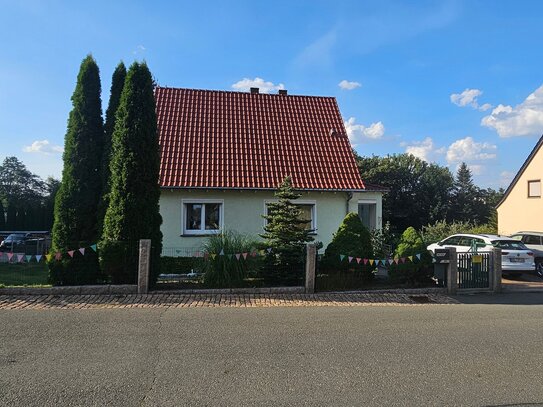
171	300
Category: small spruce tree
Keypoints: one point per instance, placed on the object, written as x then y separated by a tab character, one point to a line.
76	202
286	234
133	211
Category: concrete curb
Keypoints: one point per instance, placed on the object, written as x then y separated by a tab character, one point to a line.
72	290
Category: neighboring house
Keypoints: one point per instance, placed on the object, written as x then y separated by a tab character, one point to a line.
223	155
521	207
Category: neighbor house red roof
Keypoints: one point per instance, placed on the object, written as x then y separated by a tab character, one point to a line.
219	139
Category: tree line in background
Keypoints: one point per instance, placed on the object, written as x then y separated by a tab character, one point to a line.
109	192
26	201
422	194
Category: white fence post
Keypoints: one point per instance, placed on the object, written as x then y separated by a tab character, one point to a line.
310	265
143	266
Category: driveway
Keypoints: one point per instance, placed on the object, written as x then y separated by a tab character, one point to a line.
418	355
523	282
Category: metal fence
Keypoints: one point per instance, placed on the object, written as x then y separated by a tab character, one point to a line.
474	270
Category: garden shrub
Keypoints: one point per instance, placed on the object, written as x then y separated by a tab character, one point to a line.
413	274
220	267
441	229
351	239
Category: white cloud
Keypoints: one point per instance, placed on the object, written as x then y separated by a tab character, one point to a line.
265	87
358	132
425	149
43	147
140	49
469	151
525	119
469	98
349	85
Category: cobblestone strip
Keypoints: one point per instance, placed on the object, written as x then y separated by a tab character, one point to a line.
157	300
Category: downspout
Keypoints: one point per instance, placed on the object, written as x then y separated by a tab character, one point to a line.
349	197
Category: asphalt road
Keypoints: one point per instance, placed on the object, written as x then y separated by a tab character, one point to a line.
470	354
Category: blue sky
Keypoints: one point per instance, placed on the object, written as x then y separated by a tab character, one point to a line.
448	81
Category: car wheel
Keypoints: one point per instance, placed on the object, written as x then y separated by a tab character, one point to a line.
539	269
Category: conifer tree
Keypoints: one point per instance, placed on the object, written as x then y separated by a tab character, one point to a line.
133	211
2	217
352	239
117	84
465	196
77	200
286	235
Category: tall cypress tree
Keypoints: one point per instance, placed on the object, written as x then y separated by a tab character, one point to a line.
117	84
77	200
133	211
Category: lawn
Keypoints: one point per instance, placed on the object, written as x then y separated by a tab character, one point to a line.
23	274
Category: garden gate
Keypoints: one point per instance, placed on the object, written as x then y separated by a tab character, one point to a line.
474	270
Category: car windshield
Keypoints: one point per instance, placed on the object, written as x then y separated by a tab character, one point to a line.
15	236
509	244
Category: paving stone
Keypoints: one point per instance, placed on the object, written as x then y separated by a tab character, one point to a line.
160	300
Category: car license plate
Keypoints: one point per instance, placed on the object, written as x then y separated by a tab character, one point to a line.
516	260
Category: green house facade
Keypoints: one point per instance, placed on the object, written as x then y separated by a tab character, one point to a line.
223	154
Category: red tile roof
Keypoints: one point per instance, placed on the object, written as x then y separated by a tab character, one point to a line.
219	139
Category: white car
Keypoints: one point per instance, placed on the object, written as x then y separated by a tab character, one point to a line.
516	257
534	242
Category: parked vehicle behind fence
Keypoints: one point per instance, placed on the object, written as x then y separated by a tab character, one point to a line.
516	257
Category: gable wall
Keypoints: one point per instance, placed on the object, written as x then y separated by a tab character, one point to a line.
243	209
518	212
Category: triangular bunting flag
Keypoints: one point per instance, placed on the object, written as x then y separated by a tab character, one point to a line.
365	261
371	262
38	257
28	257
20	258
341	257
93	247
82	251
213	255
358	260
71	253
396	261
58	256
262	252
418	256
221	253
48	257
245	255
10	255
390	261
238	256
350	259
269	249
410	258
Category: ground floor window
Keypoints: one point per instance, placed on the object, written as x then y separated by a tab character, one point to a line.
309	213
367	211
202	217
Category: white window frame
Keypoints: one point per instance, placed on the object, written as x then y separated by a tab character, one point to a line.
204	231
311	202
369	202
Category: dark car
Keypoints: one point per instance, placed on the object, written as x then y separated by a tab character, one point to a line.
18	241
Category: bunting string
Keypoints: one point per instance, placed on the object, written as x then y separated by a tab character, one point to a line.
14	258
